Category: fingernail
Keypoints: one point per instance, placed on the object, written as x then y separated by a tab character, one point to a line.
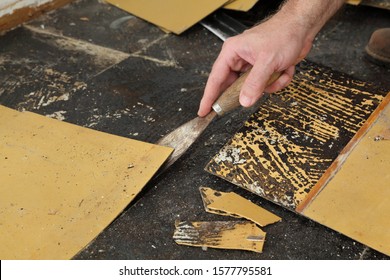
245	101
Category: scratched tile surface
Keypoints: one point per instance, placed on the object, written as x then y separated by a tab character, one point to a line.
285	147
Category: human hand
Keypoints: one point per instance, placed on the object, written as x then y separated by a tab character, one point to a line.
273	46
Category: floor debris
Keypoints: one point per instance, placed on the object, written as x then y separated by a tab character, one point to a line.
241	235
231	204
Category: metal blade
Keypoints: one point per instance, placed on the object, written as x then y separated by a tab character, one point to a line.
222	25
183	137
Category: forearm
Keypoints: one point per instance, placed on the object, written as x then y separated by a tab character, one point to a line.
309	15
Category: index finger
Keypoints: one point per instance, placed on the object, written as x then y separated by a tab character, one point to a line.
220	78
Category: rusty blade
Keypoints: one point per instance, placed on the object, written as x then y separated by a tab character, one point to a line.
183	137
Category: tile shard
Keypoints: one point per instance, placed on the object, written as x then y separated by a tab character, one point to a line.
234	205
240	235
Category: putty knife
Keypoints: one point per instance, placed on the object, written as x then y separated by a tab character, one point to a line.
182	137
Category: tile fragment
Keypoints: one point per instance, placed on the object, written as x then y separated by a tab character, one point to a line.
240	235
232	204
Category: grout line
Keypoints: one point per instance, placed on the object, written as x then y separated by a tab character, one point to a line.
155	41
111	55
167	63
76	44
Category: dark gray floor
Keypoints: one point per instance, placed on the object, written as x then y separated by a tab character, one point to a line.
155	88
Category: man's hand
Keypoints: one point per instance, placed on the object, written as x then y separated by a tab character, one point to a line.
275	45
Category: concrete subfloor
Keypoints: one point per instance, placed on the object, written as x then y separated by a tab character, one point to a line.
126	77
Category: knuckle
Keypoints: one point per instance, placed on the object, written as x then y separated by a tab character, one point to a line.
229	44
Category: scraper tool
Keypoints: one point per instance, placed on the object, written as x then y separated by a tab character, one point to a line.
182	137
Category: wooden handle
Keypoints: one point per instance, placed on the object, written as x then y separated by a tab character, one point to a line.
229	99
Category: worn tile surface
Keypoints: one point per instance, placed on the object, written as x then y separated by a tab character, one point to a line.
287	145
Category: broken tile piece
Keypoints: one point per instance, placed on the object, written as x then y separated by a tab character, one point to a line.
232	204
241	235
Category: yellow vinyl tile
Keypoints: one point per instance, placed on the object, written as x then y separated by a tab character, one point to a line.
61	184
173	15
356	201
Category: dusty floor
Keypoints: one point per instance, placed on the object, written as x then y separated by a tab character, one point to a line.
94	65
